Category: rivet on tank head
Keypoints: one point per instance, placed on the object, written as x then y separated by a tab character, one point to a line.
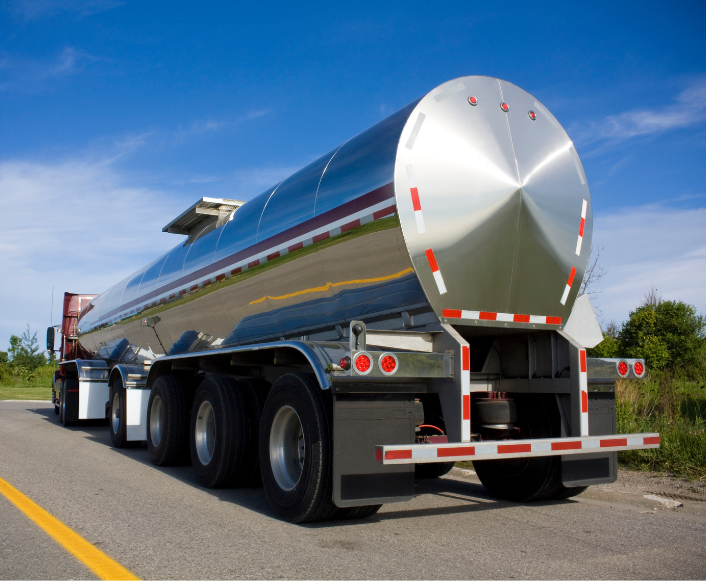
532	115
473	101
504	106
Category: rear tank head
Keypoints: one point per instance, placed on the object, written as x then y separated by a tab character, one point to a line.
494	205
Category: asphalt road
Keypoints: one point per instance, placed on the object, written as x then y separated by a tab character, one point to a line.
159	523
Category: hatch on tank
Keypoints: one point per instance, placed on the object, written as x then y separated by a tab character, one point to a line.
205	212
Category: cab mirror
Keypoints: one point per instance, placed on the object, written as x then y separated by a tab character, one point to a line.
50	338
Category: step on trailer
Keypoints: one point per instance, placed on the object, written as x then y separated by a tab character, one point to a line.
406	301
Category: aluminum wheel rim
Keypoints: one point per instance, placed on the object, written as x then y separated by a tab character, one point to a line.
287	448
115	412
205	432
156	421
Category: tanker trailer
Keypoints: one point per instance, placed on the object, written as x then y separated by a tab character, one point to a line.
407	301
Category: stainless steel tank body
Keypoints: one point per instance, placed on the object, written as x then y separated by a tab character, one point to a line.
470	202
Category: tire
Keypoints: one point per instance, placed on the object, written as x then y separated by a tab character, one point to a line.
433	470
526	479
62	403
296	450
168	422
56	409
220	434
69	402
117	425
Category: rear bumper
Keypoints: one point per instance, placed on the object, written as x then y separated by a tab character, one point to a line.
504	449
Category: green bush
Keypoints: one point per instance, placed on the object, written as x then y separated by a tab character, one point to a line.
669	335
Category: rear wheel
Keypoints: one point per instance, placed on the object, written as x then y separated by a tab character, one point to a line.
295	450
526	479
118	416
220	434
62	403
68	414
168	422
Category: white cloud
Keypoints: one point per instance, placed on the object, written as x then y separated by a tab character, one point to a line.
76	225
689	109
651	245
22	74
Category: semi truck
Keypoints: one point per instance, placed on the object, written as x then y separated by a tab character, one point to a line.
407	301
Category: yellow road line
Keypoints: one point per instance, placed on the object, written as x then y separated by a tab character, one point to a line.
329	285
97	561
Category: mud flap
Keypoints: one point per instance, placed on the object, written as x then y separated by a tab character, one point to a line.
360	423
590	469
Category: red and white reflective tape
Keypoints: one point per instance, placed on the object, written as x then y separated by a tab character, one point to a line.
583	387
416	204
465	393
581	227
435	271
501	449
569	282
507	317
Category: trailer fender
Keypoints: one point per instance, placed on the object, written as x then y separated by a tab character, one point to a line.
319	355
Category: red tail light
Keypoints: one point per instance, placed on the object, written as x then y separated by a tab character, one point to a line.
622	368
362	363
388	363
638	368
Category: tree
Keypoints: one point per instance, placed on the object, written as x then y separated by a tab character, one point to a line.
594	273
667	334
24	350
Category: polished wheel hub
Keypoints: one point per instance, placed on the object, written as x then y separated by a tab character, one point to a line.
115	413
205	432
287	448
156	421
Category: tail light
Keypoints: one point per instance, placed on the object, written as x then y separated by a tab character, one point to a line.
622	368
363	363
388	363
638	368
345	362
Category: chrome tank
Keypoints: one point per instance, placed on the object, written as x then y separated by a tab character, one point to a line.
464	211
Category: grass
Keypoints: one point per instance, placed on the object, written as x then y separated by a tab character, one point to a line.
39	393
21	384
676	409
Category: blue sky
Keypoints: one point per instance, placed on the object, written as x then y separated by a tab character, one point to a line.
116	116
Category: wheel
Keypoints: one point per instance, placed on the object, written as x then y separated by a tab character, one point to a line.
433	470
220	434
68	414
526	479
168	422
62	403
295	450
117	425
